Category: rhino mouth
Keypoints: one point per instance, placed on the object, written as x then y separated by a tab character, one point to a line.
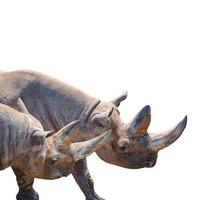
150	164
65	172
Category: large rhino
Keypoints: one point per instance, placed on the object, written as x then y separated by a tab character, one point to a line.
55	103
33	152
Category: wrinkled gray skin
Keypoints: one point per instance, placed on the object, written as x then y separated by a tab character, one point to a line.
19	133
32	152
55	104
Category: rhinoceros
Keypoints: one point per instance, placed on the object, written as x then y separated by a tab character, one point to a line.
55	103
34	152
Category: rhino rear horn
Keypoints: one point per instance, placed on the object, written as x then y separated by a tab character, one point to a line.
162	140
119	99
81	150
38	137
141	121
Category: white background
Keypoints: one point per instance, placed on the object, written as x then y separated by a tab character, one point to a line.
151	48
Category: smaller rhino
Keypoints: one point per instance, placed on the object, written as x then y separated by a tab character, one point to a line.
25	146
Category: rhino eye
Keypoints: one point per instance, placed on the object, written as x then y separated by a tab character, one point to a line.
52	160
100	124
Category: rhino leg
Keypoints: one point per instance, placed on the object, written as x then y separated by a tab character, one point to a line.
29	194
25	183
84	180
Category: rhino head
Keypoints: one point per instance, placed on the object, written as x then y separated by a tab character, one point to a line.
131	146
57	154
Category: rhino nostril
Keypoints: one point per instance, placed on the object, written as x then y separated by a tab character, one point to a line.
122	148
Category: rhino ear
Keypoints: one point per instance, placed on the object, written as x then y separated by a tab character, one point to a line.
38	137
119	99
81	150
100	120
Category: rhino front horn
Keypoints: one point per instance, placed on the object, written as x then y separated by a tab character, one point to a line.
162	140
81	150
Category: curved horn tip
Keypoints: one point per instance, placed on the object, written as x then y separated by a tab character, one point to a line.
183	123
164	140
68	128
72	124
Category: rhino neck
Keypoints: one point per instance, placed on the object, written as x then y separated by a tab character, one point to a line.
53	109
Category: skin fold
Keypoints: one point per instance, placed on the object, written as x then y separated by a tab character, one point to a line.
55	104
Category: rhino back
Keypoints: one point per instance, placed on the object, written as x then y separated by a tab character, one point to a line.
51	101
